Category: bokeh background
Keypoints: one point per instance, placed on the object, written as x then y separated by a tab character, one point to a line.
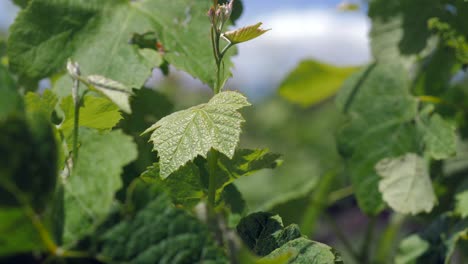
301	29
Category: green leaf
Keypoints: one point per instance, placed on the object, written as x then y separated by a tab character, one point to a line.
311	82
309	252
115	91
184	186
158	232
244	34
96	112
21	3
399	28
10	100
28	170
44	104
461	205
17	233
440	138
28	173
96	34
184	135
411	248
264	234
380	111
90	189
451	38
406	185
244	163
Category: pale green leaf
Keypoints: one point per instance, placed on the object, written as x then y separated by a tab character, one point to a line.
312	82
95	112
406	185
461	204
244	34
184	135
115	91
96	34
44	103
411	248
157	232
440	138
90	189
380	110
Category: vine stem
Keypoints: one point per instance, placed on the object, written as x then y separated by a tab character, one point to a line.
342	237
76	119
212	163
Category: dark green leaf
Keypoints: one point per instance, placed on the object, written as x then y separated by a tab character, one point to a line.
158	233
10	101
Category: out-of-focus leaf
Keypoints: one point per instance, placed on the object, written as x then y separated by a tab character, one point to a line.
21	3
28	173
184	135
96	33
312	82
440	138
157	231
10	100
115	91
95	112
90	189
244	34
461	206
410	249
406	185
44	103
451	37
381	110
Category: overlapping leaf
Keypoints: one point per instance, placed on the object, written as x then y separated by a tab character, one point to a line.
406	185
264	234
184	135
381	109
96	34
90	189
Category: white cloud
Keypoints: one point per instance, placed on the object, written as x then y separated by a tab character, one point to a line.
324	34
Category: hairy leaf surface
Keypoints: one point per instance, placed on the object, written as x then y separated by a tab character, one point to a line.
184	135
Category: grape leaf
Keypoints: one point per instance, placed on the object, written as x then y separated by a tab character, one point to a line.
10	100
312	82
399	28
96	34
90	189
461	205
380	111
44	104
158	232
406	185
184	185
115	91
183	135
410	249
96	112
440	138
244	163
28	174
264	234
